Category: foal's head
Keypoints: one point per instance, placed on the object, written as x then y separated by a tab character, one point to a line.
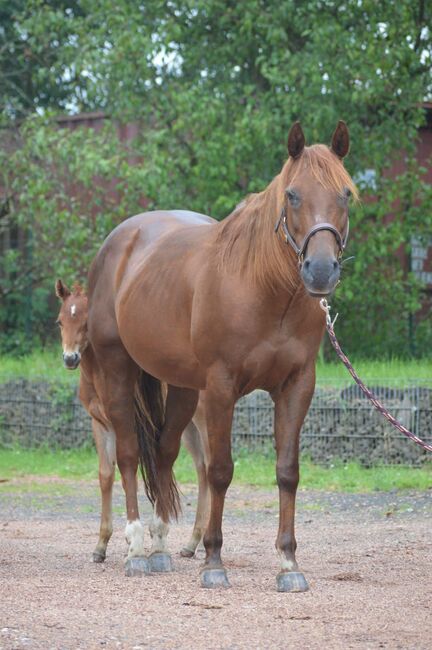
72	320
314	219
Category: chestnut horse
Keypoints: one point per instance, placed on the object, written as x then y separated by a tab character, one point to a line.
77	351
225	308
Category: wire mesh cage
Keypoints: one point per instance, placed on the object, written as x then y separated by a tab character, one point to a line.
341	422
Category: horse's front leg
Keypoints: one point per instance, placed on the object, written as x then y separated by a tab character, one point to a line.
219	409
291	405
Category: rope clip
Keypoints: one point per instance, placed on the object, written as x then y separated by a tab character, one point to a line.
326	308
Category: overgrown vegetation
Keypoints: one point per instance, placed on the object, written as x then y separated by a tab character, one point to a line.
251	469
214	87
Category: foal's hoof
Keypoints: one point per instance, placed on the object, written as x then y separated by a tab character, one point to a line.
213	578
137	566
160	563
98	557
291	581
187	552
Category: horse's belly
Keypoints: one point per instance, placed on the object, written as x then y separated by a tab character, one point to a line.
169	359
177	371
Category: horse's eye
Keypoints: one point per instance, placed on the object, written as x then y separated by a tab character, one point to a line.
293	197
347	192
59	323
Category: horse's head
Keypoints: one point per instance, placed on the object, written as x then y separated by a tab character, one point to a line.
72	320
314	217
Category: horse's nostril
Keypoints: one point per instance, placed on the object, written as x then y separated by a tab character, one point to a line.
306	264
335	265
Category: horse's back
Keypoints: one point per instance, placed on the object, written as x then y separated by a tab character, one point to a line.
125	248
150	226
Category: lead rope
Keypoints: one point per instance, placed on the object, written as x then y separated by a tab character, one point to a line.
330	329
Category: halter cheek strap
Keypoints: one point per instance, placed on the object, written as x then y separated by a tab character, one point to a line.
301	250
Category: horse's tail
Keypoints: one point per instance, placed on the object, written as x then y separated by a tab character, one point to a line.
149	407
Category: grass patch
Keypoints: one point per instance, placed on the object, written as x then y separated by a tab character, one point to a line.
42	364
70	463
393	371
47	364
252	469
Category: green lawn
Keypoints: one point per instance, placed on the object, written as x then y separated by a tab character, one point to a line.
251	469
48	364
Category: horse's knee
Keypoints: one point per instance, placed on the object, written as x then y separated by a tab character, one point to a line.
287	476
220	475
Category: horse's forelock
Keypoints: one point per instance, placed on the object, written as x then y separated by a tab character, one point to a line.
324	166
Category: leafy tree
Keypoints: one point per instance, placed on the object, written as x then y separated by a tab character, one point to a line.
215	86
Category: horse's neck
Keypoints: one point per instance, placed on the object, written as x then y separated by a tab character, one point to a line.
248	244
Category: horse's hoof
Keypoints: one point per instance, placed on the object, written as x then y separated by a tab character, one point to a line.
213	578
291	581
186	552
137	566
98	557
160	563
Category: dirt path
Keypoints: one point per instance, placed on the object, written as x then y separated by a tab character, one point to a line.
368	560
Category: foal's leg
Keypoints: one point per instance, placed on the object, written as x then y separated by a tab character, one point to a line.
291	405
179	409
106	449
219	413
196	442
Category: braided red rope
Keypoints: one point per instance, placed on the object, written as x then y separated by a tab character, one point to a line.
329	326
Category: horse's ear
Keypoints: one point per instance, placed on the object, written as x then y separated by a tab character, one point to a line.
296	140
61	290
340	140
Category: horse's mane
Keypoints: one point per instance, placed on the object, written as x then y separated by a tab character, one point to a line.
246	240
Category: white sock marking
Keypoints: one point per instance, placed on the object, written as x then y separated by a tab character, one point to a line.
158	533
134	534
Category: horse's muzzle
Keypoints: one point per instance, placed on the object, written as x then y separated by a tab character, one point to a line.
320	275
71	361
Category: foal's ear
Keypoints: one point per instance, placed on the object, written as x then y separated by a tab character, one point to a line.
340	140
61	290
296	140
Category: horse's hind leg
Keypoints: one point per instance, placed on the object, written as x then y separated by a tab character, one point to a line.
106	449
120	374
180	407
196	442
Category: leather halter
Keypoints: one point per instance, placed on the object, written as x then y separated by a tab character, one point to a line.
301	250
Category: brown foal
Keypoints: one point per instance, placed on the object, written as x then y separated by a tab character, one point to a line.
223	308
77	351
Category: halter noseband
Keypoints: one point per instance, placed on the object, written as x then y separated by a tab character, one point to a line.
301	250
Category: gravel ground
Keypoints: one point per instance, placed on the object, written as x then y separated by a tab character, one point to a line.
367	559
